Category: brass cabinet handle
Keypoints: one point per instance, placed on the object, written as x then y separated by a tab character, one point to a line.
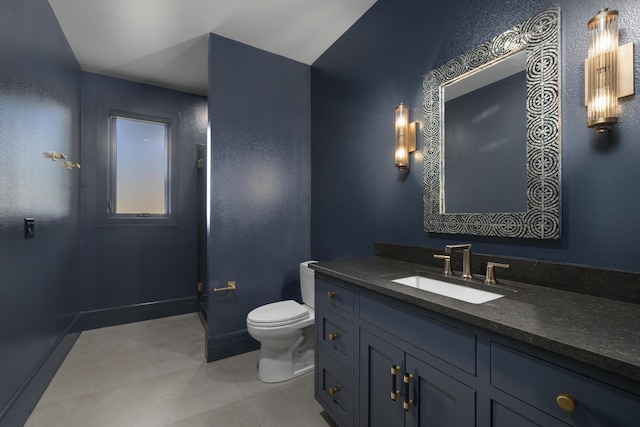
567	402
407	403
394	372
334	390
333	337
331	294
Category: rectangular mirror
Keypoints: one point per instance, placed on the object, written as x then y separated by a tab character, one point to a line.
492	136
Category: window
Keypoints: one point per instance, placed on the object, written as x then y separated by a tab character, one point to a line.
141	179
139	187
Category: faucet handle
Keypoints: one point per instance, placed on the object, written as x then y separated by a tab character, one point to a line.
490	278
447	264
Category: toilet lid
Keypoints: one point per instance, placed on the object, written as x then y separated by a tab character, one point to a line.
281	313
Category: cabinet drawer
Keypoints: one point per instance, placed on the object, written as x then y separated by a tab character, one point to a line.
504	415
337	297
335	392
539	383
336	337
452	345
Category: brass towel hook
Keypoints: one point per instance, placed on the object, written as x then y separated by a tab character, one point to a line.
55	156
70	165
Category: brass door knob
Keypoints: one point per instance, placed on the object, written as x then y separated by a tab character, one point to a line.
333	337
567	402
334	390
331	294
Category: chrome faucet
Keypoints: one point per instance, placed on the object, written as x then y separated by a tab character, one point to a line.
466	258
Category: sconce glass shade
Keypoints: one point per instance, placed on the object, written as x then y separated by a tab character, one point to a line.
603	108
402	136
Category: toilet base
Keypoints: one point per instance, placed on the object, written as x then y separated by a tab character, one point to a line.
277	364
277	368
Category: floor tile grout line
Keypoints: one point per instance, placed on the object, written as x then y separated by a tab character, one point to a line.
253	411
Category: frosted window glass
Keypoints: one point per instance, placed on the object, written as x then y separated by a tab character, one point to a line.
141	167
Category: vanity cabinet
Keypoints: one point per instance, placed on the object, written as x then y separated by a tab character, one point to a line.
540	384
457	374
416	359
361	341
335	341
398	389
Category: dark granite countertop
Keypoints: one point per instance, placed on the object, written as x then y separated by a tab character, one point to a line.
598	331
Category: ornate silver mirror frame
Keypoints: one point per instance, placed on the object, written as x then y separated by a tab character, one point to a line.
540	38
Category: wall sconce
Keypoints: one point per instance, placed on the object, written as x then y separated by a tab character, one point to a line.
405	137
608	71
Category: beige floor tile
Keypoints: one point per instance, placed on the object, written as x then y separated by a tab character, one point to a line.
158	401
116	369
135	336
290	405
245	368
158	331
153	373
237	414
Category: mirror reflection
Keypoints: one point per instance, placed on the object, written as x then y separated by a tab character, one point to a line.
485	139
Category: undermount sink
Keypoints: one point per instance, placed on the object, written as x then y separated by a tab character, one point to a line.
462	293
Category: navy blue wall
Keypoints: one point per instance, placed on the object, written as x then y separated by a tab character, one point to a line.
259	106
129	266
39	112
358	195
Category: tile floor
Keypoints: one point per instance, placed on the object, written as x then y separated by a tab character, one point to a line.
153	373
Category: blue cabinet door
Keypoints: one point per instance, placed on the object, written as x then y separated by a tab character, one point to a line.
438	399
377	357
435	399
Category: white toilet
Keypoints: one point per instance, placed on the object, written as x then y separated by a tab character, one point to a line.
285	332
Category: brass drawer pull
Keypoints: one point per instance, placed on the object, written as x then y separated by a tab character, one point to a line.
567	402
333	337
407	403
334	390
394	372
331	295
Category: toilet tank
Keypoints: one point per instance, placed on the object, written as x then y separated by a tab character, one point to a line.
307	283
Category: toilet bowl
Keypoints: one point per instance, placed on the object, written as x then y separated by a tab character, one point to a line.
285	332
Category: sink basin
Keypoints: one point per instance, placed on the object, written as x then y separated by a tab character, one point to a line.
462	293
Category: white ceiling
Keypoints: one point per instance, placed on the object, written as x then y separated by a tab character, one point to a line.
164	42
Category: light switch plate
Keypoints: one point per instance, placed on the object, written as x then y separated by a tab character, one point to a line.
29	228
